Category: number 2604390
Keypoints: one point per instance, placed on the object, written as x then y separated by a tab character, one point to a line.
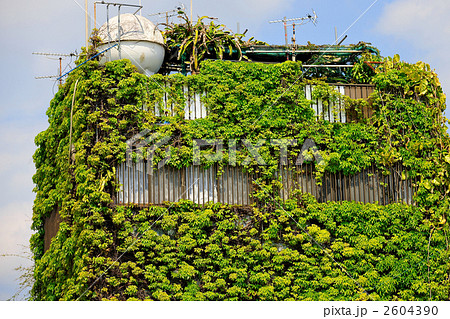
411	310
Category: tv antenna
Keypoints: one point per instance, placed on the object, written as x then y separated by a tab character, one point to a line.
60	57
301	21
170	13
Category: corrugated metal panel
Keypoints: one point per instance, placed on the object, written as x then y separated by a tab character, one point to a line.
368	186
168	184
234	186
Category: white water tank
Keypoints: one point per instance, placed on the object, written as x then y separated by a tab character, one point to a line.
140	42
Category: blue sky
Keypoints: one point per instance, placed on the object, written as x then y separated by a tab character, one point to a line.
415	29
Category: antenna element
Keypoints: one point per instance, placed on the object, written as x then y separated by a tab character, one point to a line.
309	18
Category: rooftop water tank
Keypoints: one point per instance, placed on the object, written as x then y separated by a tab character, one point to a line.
140	42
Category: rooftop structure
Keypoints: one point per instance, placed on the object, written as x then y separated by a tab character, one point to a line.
138	40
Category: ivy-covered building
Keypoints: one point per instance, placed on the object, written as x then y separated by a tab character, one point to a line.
204	186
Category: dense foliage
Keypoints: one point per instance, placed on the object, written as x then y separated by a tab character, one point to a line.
194	42
276	250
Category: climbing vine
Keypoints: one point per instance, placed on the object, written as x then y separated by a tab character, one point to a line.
276	250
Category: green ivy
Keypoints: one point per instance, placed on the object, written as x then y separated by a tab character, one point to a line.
275	250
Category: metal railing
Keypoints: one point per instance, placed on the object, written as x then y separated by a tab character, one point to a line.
232	185
195	108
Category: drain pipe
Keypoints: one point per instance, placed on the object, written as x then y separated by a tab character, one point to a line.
71	117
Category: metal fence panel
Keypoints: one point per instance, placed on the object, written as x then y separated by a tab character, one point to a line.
334	112
234	186
194	108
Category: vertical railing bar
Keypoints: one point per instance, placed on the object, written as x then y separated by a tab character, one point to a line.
400	184
344	186
233	177
170	183
238	179
204	179
248	187
314	184
364	185
183	176
134	195
138	184
198	181
123	182
163	182
159	186
210	184
289	180
407	188
219	185
148	184
305	173
129	185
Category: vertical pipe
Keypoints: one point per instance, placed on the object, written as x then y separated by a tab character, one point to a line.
118	33
86	23
95	15
71	120
108	31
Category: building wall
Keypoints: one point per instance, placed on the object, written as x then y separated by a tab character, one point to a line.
51	227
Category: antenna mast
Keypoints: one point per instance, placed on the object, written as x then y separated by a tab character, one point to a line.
309	18
170	13
86	17
60	58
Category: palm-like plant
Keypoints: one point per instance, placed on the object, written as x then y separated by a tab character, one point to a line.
198	40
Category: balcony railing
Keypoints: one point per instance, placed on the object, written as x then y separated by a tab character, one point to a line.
195	108
235	187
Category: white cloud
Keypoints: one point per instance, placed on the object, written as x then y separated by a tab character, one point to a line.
425	26
421	22
15	223
15	232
